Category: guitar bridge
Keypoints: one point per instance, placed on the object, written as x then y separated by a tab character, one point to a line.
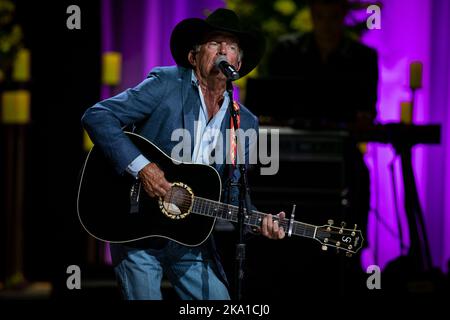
135	191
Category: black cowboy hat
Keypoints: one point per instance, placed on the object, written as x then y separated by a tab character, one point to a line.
192	31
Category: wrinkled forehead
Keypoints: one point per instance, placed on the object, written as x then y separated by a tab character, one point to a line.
220	36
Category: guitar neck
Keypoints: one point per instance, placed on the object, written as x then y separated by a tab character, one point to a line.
229	212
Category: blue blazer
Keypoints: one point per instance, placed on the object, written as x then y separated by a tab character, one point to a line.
165	101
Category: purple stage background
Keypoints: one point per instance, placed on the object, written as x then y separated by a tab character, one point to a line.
410	30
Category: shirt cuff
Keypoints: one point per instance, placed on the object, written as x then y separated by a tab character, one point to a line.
137	164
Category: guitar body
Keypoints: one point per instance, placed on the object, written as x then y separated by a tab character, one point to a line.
116	208
104	200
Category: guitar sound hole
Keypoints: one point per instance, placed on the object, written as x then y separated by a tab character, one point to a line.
177	202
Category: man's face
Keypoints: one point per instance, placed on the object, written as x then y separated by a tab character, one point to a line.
215	45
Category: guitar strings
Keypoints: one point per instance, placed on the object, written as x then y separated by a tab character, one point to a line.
227	210
224	207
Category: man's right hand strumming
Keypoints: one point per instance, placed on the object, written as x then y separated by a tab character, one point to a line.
153	180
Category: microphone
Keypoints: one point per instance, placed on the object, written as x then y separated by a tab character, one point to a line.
227	69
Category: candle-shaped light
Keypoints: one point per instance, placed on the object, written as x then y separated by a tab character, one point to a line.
362	146
415	75
21	67
7	106
16	107
111	68
406	112
87	142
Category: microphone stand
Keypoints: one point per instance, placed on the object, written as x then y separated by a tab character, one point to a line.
244	200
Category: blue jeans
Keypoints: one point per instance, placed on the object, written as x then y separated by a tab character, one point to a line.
191	271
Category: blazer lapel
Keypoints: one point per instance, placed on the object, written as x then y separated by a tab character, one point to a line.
191	104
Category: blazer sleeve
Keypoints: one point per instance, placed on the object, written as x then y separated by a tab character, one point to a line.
104	122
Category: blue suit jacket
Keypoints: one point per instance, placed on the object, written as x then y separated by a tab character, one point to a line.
165	101
162	103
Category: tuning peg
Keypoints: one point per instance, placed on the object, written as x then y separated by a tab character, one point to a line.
324	248
330	222
348	254
343	224
356	226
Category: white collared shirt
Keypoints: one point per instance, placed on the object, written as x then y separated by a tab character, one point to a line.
207	132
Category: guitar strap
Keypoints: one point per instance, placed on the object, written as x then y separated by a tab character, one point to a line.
233	141
233	149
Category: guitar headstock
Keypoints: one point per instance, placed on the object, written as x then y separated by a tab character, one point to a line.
341	238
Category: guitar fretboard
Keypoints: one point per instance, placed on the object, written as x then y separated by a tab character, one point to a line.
229	212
